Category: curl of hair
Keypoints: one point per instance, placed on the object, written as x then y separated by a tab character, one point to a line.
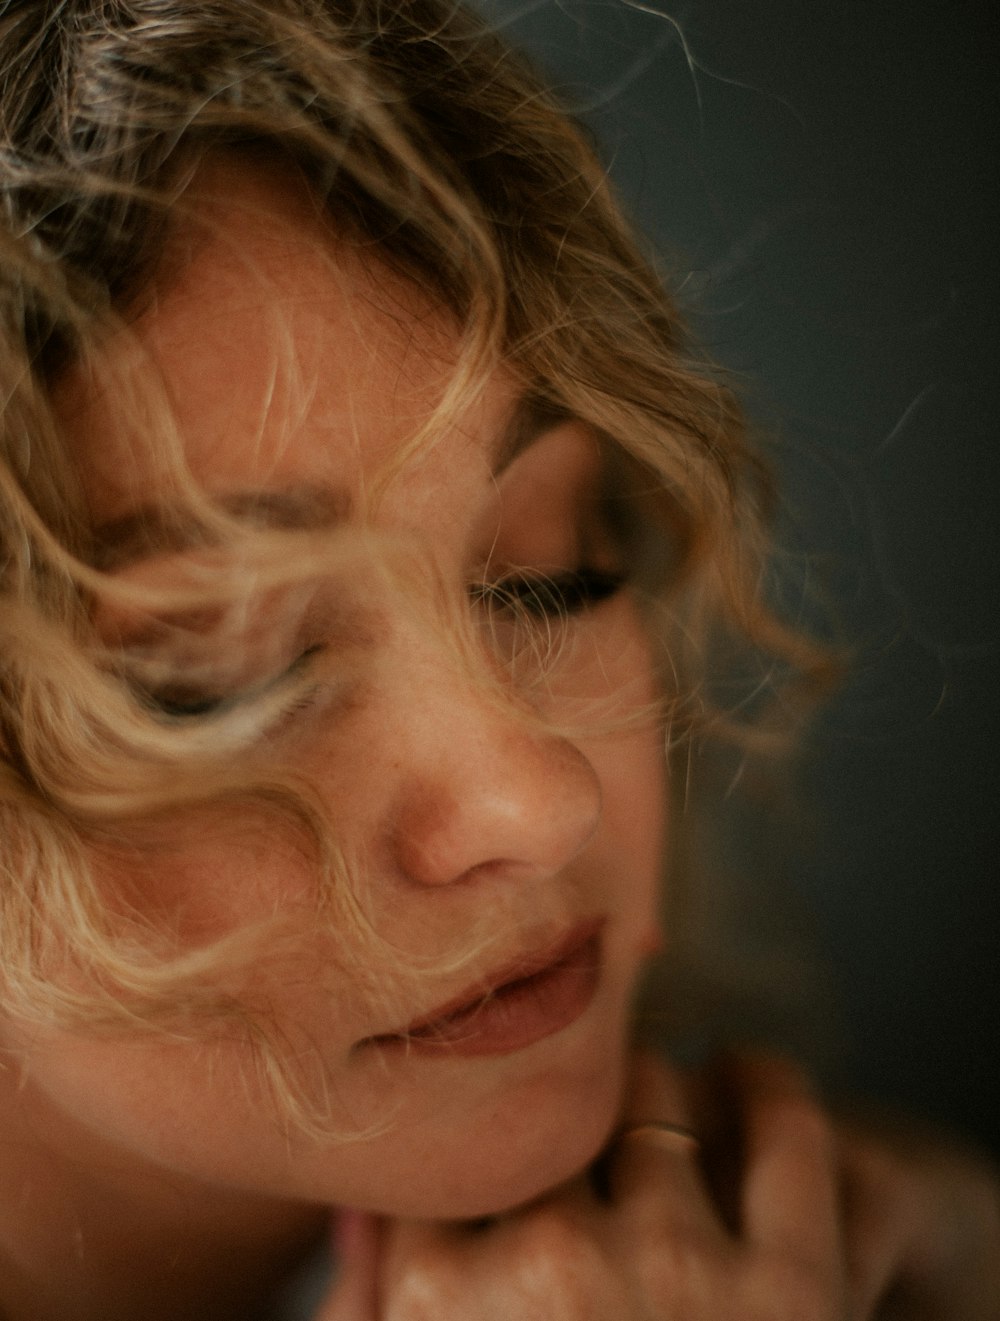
430	144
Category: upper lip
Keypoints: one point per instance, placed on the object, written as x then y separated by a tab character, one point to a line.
519	969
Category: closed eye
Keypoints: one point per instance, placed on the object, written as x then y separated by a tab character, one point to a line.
548	596
181	700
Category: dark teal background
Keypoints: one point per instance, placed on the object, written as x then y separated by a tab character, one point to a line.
821	181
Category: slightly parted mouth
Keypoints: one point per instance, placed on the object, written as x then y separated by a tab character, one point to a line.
505	979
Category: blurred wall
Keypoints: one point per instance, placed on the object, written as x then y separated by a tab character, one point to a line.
821	181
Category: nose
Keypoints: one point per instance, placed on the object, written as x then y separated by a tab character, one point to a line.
486	788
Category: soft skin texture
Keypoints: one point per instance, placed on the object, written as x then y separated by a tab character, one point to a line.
457	812
151	1179
823	1223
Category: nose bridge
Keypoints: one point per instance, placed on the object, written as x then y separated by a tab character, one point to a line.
482	784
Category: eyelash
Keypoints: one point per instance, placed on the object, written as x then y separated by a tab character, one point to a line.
550	596
175	704
539	596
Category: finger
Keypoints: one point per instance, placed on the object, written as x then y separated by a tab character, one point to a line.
355	1294
432	1264
917	1216
790	1201
543	1262
880	1221
655	1159
658	1177
656	1090
432	1269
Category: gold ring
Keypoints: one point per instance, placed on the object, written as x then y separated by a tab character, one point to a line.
674	1135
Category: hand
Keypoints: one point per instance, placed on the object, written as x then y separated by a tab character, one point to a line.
654	1244
923	1225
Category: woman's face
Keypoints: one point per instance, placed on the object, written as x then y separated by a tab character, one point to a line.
296	374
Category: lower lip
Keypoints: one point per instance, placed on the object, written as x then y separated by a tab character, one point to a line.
515	1015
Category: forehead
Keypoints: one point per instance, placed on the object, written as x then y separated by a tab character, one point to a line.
278	354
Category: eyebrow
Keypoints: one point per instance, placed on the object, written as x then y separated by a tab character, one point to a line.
155	529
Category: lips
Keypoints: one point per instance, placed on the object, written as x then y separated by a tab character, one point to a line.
523	1002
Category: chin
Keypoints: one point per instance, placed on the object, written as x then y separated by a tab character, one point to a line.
512	1188
513	1160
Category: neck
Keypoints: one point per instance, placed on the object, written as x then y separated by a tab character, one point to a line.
87	1234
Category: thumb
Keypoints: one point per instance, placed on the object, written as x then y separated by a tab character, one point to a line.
354	1296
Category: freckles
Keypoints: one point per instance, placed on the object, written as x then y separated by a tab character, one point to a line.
292	972
201	876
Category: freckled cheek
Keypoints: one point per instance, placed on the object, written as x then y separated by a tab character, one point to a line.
294	969
202	876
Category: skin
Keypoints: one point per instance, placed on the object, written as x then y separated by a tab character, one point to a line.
152	1178
823	1222
465	815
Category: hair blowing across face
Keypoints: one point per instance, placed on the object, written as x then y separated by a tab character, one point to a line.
428	143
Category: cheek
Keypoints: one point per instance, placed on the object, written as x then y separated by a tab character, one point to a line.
204	874
636	799
242	885
245	894
635	769
632	767
157	1113
635	824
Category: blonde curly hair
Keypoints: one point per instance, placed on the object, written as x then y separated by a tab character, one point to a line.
429	143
